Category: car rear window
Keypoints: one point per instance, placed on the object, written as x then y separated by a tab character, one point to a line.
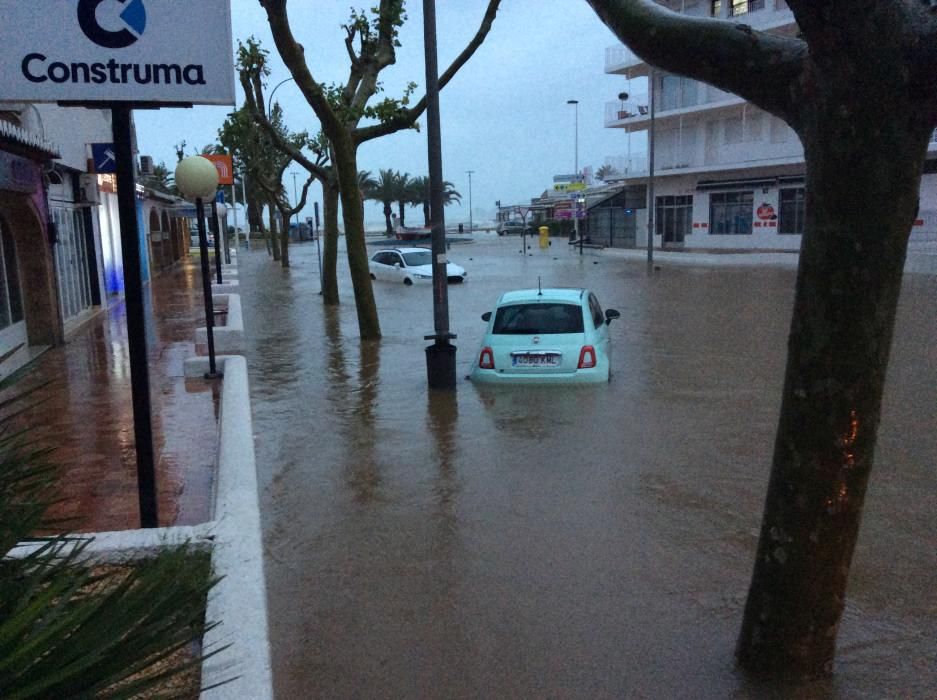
538	319
424	257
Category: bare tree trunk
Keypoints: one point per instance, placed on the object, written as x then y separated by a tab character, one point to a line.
274	237
426	213
346	165
284	238
255	221
849	280
400	210
387	212
330	242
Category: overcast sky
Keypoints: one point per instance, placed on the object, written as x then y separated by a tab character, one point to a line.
505	114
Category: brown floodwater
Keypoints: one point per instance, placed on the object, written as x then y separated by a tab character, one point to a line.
563	543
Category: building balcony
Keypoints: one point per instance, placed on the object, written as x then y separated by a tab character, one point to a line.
620	59
763	15
634	113
685	163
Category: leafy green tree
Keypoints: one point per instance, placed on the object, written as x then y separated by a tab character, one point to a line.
371	40
863	180
252	70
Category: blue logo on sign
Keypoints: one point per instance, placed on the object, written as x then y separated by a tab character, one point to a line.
133	16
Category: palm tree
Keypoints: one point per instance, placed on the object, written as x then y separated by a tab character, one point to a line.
403	194
385	191
160	179
605	172
366	185
419	195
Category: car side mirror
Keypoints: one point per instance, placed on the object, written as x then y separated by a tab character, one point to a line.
610	315
486	316
397	265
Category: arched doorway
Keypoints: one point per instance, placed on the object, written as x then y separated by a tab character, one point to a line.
13	336
29	313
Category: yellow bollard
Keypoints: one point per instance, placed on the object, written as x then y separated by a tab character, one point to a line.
544	237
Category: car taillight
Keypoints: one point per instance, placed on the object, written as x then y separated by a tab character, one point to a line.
487	359
586	357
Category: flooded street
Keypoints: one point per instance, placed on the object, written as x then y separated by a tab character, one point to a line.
564	543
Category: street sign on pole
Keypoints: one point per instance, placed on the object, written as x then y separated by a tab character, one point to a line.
104	157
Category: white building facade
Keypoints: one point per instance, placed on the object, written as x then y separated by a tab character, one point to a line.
727	175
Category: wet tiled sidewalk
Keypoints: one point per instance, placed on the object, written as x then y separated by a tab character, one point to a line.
85	413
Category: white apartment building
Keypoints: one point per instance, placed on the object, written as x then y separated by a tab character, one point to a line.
727	175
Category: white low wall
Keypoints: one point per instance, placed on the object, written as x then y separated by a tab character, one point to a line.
239	600
228	286
229	338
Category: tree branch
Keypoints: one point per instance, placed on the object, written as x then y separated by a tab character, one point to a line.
765	69
293	56
251	100
408	117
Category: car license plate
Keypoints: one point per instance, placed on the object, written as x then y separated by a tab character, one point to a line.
535	360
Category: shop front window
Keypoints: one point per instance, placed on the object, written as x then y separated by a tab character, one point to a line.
730	213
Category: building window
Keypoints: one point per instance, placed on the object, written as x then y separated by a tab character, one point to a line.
741	7
675	92
791	215
731	213
734	130
673	218
716	10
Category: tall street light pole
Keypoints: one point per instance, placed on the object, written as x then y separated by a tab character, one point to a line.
650	176
471	228
270	99
295	200
575	103
440	356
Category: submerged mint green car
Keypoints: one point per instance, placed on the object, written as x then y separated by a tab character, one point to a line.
545	336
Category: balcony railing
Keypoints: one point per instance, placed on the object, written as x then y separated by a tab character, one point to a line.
618	110
620	57
627	166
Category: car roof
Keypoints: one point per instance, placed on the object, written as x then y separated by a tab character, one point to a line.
402	250
567	294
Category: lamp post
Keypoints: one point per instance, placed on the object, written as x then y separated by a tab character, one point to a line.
270	99
197	179
575	103
221	211
650	176
576	135
295	201
441	355
214	232
471	227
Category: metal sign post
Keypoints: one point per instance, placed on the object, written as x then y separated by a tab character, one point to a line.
136	326
121	56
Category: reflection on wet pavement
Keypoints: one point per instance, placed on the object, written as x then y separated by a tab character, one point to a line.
579	543
85	413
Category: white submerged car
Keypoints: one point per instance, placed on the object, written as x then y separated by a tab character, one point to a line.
410	265
545	336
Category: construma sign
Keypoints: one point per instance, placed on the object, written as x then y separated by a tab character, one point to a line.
139	51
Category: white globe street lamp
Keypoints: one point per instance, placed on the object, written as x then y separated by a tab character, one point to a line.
197	179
